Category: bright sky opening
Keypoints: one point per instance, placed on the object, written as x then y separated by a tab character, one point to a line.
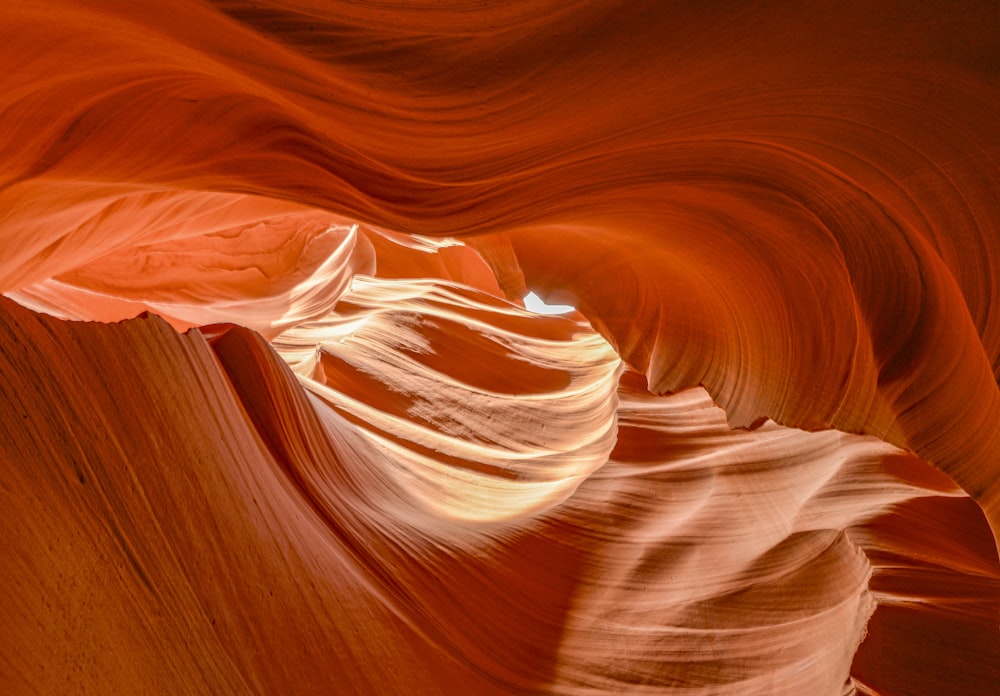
534	303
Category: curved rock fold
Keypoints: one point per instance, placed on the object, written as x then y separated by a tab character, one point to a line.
275	419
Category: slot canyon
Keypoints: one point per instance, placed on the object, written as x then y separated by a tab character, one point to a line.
470	347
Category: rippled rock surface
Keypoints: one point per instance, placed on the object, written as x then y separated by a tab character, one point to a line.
275	418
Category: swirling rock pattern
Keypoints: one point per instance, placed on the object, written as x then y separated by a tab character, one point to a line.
274	419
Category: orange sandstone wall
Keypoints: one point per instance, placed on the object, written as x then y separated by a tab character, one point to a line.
761	457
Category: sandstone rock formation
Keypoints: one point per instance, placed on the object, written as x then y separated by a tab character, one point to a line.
276	420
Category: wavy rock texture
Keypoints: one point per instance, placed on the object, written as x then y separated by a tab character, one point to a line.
761	457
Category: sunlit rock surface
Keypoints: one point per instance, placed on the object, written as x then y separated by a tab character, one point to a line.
276	419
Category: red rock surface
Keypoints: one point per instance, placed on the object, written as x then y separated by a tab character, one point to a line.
761	457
